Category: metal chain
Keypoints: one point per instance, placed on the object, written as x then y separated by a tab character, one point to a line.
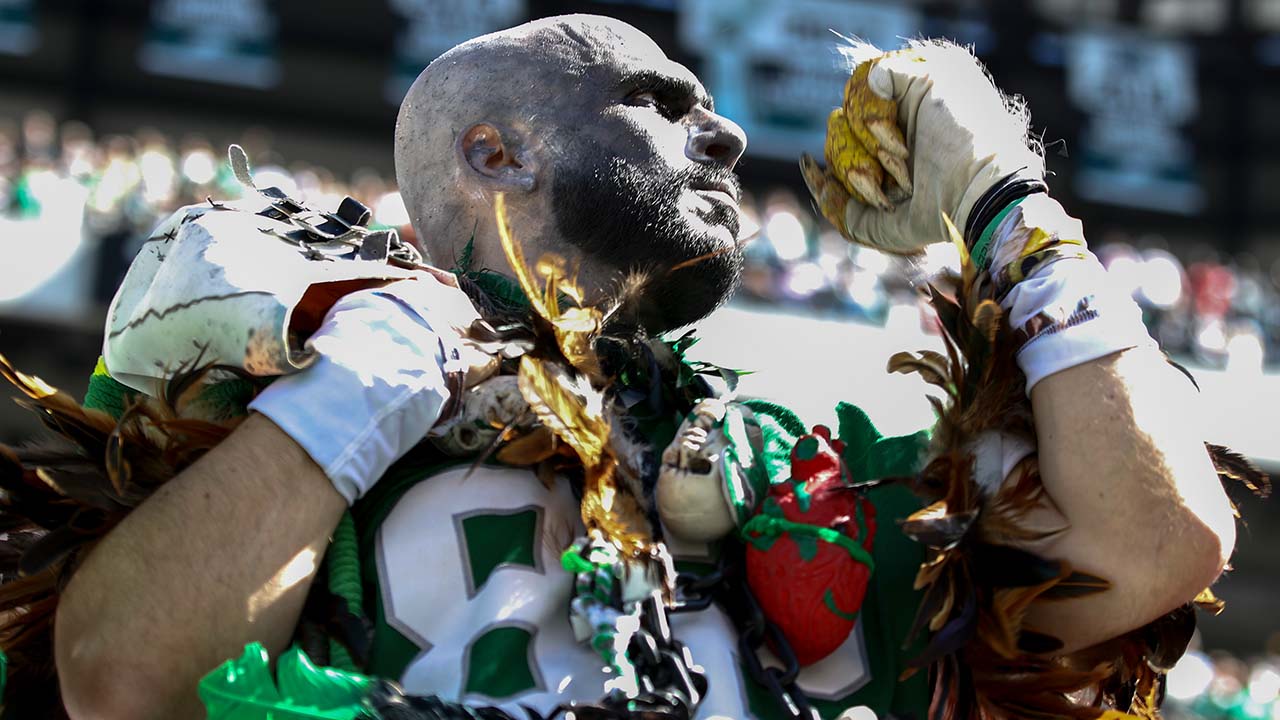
727	586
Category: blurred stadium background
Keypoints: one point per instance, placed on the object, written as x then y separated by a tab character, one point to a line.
1161	119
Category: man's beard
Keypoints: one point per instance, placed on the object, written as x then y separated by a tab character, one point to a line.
629	219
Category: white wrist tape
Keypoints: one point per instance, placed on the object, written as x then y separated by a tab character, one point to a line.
1065	308
376	389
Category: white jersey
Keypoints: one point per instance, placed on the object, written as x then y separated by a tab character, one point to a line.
469	572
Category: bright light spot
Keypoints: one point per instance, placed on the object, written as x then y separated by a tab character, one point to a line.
564	683
864	288
1125	274
390	210
273	176
1190	678
830	265
515	601
1264	684
873	261
1212	336
786	234
939	257
59	233
295	571
1161	280
199	167
1245	353
805	279
158	175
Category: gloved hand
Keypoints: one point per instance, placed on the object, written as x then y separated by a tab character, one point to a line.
389	361
922	132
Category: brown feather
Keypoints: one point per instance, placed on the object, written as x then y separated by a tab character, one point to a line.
985	662
62	496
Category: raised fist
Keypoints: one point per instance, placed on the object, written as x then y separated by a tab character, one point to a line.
921	132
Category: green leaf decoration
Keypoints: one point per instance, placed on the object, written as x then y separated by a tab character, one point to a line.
468	255
243	689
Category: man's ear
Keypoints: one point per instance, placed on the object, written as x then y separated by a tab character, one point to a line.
498	161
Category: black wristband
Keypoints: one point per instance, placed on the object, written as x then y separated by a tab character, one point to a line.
1010	188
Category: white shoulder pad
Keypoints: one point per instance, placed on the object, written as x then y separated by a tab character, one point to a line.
214	283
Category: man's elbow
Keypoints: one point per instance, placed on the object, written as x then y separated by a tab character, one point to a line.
1195	547
1200	549
97	684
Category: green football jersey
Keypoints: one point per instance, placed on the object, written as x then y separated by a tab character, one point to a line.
470	602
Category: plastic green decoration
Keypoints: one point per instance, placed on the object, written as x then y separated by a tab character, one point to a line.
243	689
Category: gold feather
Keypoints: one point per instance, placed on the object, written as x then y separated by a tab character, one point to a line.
564	396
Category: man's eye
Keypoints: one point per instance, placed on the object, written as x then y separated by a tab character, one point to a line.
648	98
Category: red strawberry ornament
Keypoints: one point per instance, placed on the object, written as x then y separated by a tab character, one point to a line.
809	550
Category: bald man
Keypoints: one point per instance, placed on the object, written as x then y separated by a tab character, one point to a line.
612	156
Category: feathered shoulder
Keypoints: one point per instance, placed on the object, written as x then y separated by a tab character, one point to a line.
984	661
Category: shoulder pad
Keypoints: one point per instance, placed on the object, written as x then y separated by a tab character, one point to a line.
220	282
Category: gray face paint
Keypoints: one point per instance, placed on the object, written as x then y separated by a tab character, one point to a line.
644	183
635	166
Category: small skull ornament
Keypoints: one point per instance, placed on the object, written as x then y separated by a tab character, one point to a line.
691	482
486	409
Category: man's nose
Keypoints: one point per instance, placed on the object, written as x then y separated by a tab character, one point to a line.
715	139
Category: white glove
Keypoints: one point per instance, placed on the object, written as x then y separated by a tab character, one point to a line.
380	382
960	134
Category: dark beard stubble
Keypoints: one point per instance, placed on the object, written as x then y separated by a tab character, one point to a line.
629	217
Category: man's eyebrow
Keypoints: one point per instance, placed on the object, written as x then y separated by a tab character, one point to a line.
669	86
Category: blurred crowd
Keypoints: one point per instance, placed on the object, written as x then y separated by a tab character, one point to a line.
1221	686
1215	310
76	207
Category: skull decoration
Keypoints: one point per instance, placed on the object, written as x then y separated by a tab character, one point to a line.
486	409
691	483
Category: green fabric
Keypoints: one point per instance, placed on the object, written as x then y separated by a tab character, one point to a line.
739	453
342	561
221	400
982	248
868	455
105	393
489	545
499	663
780	428
226	399
244	689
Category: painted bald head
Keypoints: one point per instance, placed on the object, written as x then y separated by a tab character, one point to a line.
609	153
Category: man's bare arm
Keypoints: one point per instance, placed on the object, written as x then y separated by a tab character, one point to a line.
220	556
1122	456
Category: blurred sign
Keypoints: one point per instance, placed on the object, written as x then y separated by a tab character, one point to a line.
1138	92
18	35
224	41
433	26
774	66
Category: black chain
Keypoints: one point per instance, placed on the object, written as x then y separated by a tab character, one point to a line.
727	586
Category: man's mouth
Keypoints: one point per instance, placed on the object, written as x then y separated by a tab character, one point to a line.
723	190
